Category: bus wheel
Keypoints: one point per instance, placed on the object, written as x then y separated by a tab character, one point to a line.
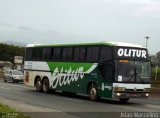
45	85
93	92
123	100
38	85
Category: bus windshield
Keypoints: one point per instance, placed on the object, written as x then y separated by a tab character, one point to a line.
133	71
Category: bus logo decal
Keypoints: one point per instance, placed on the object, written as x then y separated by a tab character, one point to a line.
63	77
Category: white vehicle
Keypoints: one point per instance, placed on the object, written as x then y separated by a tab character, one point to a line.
13	76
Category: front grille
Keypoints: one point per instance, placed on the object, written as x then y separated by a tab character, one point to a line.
133	90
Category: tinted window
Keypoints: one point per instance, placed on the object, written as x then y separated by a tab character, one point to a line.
76	54
79	53
29	54
47	53
67	54
17	73
92	53
82	53
37	54
56	54
105	53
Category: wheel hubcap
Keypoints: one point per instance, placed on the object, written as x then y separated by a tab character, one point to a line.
93	93
38	85
45	86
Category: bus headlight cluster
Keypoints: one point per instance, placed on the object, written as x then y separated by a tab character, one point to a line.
147	89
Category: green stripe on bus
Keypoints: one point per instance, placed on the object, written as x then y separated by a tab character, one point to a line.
67	65
78	44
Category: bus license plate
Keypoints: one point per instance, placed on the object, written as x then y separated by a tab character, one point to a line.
133	94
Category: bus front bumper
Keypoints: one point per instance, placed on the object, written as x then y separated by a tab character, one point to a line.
131	94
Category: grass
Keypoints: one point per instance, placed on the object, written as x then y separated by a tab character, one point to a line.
7	112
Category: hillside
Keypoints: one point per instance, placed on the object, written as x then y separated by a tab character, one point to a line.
14	43
7	52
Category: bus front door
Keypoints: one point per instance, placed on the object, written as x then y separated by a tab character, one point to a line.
106	73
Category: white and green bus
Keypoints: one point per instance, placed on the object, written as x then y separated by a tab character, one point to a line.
100	70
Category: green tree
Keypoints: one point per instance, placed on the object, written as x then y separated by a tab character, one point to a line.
7	52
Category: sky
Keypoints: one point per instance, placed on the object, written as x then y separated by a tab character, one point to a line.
75	21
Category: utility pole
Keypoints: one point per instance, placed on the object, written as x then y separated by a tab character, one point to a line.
147	38
156	72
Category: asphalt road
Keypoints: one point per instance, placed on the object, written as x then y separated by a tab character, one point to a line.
74	106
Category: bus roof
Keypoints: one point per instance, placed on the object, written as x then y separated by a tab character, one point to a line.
123	44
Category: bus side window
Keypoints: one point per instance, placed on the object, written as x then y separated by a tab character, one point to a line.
92	54
105	53
37	54
79	53
67	54
82	53
46	53
76	54
29	54
56	54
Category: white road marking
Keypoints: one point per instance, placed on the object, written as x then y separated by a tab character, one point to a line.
21	102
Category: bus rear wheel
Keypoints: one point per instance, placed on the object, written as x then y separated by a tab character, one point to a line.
45	85
93	92
123	100
38	85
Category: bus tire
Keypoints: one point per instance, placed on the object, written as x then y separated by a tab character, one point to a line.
123	100
45	85
93	92
38	85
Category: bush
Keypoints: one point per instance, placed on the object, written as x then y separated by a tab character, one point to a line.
154	73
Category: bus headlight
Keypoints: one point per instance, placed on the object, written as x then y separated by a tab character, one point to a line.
147	94
118	94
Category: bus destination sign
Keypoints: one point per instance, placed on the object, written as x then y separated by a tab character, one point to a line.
132	53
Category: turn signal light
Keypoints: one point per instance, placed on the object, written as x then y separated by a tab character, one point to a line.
27	77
